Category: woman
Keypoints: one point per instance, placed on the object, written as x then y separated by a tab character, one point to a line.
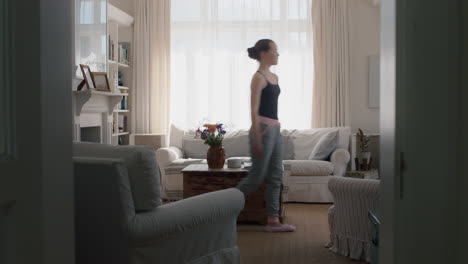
265	138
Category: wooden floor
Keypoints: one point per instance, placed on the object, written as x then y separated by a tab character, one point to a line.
305	245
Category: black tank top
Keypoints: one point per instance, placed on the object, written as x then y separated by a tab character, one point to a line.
269	100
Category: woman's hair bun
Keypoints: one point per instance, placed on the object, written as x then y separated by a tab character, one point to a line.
253	53
261	45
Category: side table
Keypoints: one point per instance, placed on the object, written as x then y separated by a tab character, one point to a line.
370	174
198	179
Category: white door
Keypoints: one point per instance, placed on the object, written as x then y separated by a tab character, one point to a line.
36	177
424	118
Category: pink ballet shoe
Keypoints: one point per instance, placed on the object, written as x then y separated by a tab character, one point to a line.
279	228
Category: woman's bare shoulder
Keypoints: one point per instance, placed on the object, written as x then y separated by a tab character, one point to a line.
258	81
257	75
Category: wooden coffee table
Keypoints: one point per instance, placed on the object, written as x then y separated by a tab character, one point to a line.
198	179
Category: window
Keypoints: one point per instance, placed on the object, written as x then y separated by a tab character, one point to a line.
91	34
211	71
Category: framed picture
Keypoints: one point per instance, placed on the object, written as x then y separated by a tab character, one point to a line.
101	82
88	79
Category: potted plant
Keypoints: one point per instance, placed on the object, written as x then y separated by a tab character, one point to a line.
364	158
213	135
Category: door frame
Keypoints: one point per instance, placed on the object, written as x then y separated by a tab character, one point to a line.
405	191
37	184
388	16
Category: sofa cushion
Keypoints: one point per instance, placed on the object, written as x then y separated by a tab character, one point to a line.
325	146
288	144
143	170
310	167
194	148
236	143
185	162
177	165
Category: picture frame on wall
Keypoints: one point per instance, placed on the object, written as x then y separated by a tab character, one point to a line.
101	82
88	79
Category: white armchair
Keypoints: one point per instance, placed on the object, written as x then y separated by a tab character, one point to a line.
340	158
350	227
111	227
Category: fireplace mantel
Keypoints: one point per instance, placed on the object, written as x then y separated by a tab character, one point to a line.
94	108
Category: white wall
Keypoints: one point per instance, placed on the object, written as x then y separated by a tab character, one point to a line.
364	41
124	5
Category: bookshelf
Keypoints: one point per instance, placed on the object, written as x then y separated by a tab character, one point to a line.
119	48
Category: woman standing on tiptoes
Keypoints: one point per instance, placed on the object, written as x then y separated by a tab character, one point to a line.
265	139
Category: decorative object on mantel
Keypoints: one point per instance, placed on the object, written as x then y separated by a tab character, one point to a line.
364	160
88	78
101	82
213	135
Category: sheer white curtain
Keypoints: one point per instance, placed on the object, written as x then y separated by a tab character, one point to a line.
151	87
210	69
331	46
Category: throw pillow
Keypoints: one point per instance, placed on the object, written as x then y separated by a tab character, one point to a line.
176	135
325	146
304	141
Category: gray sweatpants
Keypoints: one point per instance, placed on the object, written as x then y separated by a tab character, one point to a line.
267	169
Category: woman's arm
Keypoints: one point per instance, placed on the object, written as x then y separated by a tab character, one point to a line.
256	87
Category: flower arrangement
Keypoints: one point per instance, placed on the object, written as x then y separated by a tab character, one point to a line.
212	134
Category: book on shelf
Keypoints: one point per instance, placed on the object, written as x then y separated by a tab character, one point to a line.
123	52
123	127
121	123
111	49
120	78
114	127
124	103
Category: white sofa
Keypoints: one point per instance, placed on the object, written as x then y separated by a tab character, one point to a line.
306	180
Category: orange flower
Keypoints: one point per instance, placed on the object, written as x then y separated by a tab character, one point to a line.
212	129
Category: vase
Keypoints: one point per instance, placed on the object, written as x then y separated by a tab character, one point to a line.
365	160
215	157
